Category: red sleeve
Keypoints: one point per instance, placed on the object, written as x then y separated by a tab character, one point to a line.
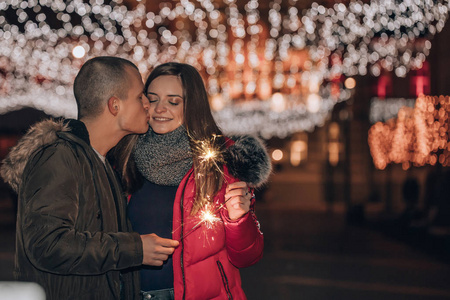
244	240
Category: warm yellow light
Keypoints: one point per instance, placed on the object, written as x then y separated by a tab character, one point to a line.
278	103
350	83
333	153
78	52
209	154
415	137
277	155
217	102
298	152
313	103
240	59
334	130
208	216
264	89
314	83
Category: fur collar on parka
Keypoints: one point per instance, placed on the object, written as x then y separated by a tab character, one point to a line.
247	158
39	135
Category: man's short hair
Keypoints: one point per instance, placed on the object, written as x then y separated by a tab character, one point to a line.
99	79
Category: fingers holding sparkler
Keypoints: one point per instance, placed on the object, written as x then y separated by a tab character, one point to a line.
238	200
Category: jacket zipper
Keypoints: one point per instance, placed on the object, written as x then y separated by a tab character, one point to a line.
224	280
182	240
182	247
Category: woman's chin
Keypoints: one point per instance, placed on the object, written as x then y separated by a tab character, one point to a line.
162	129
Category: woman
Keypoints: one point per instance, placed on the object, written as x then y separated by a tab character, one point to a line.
182	168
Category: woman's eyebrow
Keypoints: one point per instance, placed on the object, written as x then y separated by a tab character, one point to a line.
171	95
175	95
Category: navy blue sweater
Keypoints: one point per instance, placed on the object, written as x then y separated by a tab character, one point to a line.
150	211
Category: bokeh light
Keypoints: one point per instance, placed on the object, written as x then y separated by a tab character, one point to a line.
418	136
244	55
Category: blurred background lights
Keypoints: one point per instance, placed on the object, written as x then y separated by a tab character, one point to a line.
278	103
277	155
217	102
246	56
78	52
313	103
416	137
299	150
350	83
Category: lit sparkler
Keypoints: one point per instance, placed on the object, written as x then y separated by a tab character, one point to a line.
210	155
209	152
207	216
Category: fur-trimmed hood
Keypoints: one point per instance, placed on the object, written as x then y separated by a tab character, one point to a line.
247	158
39	135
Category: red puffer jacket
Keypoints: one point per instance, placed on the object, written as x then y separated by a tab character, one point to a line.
206	262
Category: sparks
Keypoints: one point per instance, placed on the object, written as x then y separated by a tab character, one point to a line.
208	216
209	154
208	150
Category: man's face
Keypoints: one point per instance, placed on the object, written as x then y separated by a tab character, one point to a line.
133	114
165	94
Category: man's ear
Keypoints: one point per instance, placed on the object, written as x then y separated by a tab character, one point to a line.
113	105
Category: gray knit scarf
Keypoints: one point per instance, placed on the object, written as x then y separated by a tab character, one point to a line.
164	159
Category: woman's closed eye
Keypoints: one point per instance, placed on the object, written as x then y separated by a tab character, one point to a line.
175	101
152	98
172	100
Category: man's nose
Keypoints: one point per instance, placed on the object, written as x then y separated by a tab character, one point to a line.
146	103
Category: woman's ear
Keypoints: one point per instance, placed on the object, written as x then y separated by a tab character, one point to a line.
113	105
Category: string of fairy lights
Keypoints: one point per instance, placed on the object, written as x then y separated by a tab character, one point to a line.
417	137
256	65
383	109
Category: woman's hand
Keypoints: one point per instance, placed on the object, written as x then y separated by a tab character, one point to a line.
237	199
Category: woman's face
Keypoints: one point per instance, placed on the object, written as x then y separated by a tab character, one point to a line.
165	94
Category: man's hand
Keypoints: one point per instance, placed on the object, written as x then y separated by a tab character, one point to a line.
238	197
157	249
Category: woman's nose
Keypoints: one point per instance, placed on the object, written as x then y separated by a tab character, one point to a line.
160	106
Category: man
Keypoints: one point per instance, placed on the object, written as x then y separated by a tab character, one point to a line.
73	237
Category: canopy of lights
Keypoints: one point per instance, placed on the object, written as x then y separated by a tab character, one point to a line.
268	72
384	109
418	136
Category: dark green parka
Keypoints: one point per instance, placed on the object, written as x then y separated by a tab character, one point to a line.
73	237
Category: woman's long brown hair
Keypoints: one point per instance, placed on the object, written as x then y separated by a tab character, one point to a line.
200	126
